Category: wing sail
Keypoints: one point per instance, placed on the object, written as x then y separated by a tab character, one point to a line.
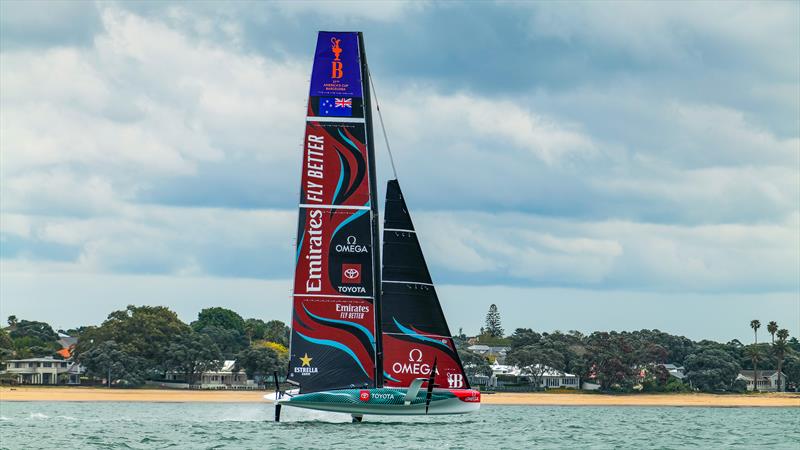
333	317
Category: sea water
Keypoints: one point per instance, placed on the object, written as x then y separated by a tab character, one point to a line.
25	425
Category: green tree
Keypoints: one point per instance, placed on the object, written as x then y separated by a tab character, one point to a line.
6	346
772	328
711	370
229	341
493	326
780	348
792	369
474	364
192	353
277	331
142	332
610	359
535	360
755	324
259	362
754	353
220	317
108	360
524	336
34	329
12	320
255	329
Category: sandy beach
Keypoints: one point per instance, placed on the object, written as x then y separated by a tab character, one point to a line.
79	394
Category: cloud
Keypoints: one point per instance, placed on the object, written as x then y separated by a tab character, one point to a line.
600	149
539	251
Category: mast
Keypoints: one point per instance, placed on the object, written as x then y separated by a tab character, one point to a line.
373	188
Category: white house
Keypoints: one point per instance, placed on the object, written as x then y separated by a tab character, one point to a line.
678	372
224	378
47	370
767	380
551	378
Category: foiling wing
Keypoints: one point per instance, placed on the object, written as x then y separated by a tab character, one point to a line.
333	317
414	329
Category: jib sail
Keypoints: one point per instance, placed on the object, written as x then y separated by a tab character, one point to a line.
414	328
333	342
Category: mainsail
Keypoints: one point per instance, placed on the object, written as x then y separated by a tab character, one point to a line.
333	344
415	331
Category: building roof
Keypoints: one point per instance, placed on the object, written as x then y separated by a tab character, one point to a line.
67	341
766	373
44	359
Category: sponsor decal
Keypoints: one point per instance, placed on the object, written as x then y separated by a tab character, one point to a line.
315	145
382	396
414	366
363	395
352	246
351	273
336	66
455	380
468	396
305	369
350	311
314	257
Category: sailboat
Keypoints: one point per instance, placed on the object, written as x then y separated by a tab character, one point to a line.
368	335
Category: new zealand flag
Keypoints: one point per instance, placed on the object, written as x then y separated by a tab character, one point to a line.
336	107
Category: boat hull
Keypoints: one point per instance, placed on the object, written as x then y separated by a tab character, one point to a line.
385	401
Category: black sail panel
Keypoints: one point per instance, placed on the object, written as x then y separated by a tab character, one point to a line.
414	329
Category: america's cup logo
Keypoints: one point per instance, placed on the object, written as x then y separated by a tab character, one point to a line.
335	48
337	70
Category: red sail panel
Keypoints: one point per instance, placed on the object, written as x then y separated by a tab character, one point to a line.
335	165
407	359
334	254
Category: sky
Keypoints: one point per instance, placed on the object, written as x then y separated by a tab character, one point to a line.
584	166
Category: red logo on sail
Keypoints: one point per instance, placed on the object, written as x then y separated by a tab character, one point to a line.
351	273
336	64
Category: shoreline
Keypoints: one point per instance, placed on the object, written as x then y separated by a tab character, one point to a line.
93	394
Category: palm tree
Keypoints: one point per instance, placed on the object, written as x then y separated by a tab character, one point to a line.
780	351
755	354
755	324
772	327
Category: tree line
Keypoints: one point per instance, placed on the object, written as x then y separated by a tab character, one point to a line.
147	342
627	361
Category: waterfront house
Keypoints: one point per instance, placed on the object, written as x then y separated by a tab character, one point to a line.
223	378
678	372
506	375
767	380
47	370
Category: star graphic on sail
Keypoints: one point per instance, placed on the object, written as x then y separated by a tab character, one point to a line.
306	360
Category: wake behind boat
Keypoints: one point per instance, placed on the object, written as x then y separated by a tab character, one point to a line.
354	348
